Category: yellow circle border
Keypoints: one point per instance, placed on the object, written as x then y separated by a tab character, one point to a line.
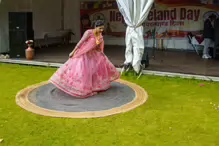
23	101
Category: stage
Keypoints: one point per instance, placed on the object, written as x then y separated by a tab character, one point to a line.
180	61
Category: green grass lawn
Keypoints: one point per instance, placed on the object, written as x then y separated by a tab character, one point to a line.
177	113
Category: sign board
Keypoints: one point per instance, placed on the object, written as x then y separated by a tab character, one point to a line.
167	18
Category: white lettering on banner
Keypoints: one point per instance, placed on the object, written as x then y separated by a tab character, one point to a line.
162	15
181	19
159	24
184	14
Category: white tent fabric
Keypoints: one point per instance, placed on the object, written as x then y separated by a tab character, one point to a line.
135	13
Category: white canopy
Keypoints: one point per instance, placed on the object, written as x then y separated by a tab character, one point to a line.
135	13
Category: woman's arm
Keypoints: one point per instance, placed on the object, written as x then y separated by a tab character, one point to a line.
83	39
102	46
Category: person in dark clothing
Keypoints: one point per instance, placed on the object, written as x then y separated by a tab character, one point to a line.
216	38
208	35
216	2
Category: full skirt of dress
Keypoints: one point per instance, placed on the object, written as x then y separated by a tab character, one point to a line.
85	75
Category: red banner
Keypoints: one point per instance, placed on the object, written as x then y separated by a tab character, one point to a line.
167	18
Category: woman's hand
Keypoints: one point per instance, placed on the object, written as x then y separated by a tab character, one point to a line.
71	54
98	48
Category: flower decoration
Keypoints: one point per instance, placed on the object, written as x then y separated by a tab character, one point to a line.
29	43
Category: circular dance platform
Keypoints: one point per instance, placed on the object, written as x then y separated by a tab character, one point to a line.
45	99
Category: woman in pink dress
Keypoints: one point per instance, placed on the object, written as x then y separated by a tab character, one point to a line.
87	71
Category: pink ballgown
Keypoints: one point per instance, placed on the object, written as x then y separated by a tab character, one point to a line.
88	71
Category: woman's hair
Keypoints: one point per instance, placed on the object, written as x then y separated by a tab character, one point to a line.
99	23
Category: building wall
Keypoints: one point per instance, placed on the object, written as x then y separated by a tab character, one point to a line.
47	18
72	17
5	7
3	29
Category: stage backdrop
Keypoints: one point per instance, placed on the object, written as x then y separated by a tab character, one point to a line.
167	18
